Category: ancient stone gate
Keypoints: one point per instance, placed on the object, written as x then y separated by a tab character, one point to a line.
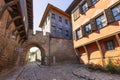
59	51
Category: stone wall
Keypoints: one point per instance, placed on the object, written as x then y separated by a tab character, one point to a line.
8	55
61	50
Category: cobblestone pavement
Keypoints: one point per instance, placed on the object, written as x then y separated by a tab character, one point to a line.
35	71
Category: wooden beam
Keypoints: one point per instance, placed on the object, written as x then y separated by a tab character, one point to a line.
22	41
16	35
21	31
18	27
87	53
76	51
21	38
118	39
10	22
101	53
11	3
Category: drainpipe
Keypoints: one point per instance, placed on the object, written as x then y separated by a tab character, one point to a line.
49	48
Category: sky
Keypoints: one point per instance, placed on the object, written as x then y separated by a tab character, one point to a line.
39	7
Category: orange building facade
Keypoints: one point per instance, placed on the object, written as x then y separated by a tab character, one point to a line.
96	30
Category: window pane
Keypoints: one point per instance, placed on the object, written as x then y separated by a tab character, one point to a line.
53	16
94	1
78	33
53	29
60	18
67	33
116	12
101	21
88	28
110	45
66	21
85	7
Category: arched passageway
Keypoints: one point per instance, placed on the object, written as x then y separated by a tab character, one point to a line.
34	53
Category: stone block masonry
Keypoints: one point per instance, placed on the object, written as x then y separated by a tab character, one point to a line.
61	50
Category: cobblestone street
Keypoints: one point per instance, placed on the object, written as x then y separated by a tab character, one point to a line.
35	71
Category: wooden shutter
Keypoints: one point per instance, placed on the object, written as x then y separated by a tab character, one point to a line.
74	35
109	15
93	24
80	9
89	2
83	30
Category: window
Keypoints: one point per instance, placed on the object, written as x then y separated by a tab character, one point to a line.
116	12
76	14
94	1
60	18
66	21
110	45
60	30
88	29
53	16
53	29
78	33
101	21
67	33
84	7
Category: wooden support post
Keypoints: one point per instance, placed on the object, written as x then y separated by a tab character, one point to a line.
87	54
118	39
100	52
76	51
10	22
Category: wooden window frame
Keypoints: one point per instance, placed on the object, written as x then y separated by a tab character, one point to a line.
60	19
93	3
110	45
53	16
116	6
86	9
67	33
89	31
54	28
66	21
80	35
75	15
101	21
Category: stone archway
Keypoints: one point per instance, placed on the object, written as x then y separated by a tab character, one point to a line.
60	51
35	44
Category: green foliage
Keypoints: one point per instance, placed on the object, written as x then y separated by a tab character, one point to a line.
113	66
93	66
